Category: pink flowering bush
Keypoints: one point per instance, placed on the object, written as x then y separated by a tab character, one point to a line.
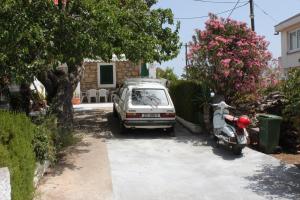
271	77
229	56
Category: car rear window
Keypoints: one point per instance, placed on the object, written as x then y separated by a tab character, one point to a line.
155	97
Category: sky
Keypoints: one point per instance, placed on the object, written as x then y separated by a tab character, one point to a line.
277	11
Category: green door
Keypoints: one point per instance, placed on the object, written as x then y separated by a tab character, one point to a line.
144	70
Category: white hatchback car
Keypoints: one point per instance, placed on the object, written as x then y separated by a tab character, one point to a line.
144	103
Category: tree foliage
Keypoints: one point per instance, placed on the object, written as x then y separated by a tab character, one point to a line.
229	56
37	36
167	73
24	38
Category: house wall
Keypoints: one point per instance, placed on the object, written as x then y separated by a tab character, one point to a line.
89	78
124	69
289	58
127	70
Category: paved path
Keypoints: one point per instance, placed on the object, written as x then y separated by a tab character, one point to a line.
84	173
148	165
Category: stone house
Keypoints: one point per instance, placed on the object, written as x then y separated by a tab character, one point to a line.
103	75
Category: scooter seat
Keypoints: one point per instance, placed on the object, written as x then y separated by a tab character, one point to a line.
230	122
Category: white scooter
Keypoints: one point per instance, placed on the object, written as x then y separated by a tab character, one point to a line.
229	129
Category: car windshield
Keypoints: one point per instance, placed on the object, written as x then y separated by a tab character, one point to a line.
155	97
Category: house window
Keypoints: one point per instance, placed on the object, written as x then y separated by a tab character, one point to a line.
106	75
294	40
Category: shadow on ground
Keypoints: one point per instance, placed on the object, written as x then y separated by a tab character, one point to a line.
66	158
97	123
280	181
92	122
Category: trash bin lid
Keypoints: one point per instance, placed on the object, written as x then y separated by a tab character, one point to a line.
269	116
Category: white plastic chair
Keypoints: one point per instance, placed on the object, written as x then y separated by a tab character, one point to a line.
102	93
92	93
82	96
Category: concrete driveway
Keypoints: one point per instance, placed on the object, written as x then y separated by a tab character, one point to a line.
149	165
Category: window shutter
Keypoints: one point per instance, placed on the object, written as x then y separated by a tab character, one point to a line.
106	74
144	70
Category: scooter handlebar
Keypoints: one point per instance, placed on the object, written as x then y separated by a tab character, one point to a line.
223	104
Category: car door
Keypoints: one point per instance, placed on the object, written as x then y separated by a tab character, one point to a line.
122	102
117	100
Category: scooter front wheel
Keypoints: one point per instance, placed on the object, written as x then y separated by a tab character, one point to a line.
216	141
237	149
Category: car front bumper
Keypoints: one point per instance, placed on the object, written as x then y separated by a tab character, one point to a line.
149	123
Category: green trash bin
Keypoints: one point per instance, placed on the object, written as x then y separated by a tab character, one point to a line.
269	132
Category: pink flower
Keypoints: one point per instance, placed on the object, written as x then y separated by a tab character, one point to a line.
212	44
221	39
225	62
240	43
203	34
226	73
245	52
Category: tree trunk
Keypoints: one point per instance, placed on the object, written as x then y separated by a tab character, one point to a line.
25	92
61	103
60	86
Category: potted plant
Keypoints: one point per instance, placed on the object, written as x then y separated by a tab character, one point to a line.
76	99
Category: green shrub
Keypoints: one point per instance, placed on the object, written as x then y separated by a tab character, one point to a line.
189	98
45	138
51	138
16	152
291	91
43	144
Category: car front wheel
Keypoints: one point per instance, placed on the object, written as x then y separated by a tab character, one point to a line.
123	129
115	114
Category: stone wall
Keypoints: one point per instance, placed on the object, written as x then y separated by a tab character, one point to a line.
124	69
5	189
127	70
89	79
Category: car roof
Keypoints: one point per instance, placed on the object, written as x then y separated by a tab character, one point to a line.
147	85
134	81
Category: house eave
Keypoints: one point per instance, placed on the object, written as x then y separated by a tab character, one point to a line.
87	60
288	23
